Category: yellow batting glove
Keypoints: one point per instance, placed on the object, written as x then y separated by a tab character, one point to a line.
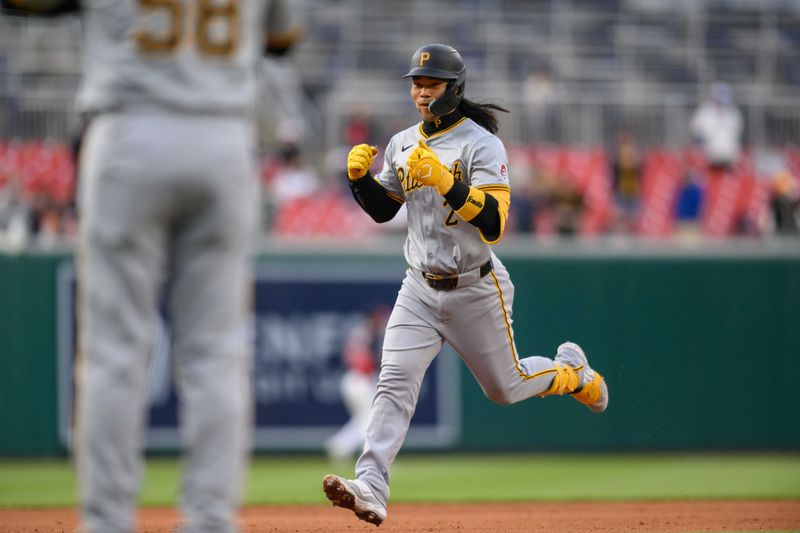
359	160
425	167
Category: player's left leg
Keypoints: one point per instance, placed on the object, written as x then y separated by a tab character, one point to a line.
210	299
481	332
592	390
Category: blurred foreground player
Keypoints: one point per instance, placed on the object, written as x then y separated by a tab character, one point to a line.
167	197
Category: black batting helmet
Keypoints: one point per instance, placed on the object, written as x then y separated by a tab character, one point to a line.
443	62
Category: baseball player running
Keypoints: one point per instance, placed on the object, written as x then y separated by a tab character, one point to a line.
168	194
452	173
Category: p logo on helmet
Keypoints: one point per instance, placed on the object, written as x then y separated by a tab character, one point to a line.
445	63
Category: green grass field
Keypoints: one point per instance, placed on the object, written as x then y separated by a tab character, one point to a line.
447	478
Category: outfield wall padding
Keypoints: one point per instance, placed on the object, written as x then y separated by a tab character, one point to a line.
701	350
28	362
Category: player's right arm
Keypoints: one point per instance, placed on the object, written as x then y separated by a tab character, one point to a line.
283	27
373	198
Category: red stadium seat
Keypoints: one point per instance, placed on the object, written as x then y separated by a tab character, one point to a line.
45	171
661	177
323	215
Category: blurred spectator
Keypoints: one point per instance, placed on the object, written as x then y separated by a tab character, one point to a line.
293	179
626	168
689	203
717	127
48	228
561	198
300	203
539	103
15	226
357	129
785	204
523	194
37	191
361	357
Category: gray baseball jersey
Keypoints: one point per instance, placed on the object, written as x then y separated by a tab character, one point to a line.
186	55
439	241
168	193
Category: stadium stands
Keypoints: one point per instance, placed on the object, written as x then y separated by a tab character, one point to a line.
641	65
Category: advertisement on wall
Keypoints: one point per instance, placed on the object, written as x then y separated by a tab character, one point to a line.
304	321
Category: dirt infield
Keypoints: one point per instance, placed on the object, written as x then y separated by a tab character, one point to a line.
617	517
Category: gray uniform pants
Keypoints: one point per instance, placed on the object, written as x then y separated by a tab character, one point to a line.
164	199
476	321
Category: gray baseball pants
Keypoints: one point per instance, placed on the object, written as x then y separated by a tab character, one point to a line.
164	199
476	321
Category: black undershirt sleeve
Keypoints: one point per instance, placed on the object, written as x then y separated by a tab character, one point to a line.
488	220
58	8
373	199
457	195
277	50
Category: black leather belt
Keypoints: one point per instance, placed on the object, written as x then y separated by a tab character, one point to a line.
444	282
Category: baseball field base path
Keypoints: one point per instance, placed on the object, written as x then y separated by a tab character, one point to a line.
596	517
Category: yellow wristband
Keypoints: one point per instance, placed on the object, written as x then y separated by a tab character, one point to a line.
474	204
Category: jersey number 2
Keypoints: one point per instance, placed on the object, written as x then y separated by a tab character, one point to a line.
216	26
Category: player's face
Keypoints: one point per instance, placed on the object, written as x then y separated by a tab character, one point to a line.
423	90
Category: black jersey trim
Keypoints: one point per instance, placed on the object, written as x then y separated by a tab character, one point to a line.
437	133
522	374
493	187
